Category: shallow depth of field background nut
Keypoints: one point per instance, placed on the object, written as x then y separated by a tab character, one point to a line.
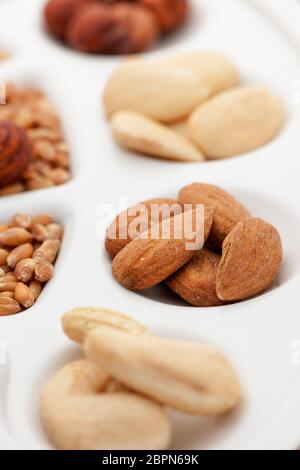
27	258
47	162
79	413
190	377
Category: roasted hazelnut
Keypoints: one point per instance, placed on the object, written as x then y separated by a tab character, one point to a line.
169	13
120	28
58	13
15	152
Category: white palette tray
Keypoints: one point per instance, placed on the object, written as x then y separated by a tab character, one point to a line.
260	335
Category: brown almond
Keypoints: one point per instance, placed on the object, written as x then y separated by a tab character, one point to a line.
23	295
15	236
9	306
227	210
148	260
195	282
117	236
19	253
251	260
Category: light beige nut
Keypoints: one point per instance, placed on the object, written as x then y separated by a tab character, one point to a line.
3	256
190	377
251	260
9	306
136	132
77	414
217	72
236	121
43	271
163	249
135	220
166	94
15	236
195	282
36	288
79	321
24	270
47	251
22	220
182	128
227	210
19	253
23	295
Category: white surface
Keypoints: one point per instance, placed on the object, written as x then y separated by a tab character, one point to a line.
257	335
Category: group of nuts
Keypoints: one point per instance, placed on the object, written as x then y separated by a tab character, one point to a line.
113	26
33	152
28	249
189	107
240	256
3	54
115	397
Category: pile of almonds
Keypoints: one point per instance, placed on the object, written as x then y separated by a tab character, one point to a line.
116	396
113	26
189	108
28	249
33	152
239	258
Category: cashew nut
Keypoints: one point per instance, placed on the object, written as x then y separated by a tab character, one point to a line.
79	321
190	377
78	413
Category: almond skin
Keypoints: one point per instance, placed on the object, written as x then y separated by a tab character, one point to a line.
195	282
227	210
117	236
145	262
251	260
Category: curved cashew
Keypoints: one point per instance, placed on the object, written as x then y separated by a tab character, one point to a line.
79	321
77	416
188	376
